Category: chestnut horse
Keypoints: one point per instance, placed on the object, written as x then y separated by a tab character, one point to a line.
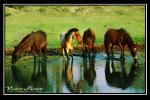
66	41
36	42
88	41
119	37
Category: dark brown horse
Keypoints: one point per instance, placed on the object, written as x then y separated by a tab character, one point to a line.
36	42
121	38
88	41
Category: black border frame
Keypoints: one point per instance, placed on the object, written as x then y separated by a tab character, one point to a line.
77	2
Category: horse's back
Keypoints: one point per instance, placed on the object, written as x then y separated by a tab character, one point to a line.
88	34
113	36
39	38
39	34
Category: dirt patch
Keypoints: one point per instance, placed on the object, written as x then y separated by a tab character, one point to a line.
78	49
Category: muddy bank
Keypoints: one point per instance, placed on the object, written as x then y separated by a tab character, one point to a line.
78	49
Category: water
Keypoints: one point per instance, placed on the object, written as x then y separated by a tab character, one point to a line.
82	75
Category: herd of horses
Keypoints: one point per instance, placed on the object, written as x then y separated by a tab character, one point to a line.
36	42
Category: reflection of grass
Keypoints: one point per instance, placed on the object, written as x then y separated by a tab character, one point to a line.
56	19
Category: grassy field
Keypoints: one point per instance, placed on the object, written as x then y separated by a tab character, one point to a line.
57	19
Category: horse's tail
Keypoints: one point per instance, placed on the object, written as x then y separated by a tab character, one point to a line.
62	36
107	42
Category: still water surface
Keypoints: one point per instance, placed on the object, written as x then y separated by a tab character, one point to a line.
82	75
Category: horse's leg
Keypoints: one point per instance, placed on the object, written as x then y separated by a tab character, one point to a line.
122	51
123	71
89	52
84	50
108	68
41	54
66	52
93	50
34	55
107	46
44	51
112	51
38	50
71	52
71	63
63	52
112	65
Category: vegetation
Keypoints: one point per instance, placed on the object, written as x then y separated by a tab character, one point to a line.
22	20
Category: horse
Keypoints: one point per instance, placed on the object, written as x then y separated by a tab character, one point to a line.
66	41
119	37
88	41
36	42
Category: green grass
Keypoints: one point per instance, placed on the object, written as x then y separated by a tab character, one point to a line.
56	19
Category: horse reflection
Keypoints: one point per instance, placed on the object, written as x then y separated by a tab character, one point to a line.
20	78
120	79
39	75
72	85
37	79
89	70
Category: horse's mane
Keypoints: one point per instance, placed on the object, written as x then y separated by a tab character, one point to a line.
70	32
127	37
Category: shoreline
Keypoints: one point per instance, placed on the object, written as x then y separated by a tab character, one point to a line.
78	49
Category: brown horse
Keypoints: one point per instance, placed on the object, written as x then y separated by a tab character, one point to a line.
66	41
88	41
36	42
121	38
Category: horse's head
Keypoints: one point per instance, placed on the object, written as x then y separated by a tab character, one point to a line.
15	56
77	36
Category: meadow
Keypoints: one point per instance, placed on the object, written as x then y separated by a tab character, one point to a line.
57	19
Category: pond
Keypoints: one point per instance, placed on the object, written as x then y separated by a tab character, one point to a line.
80	75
